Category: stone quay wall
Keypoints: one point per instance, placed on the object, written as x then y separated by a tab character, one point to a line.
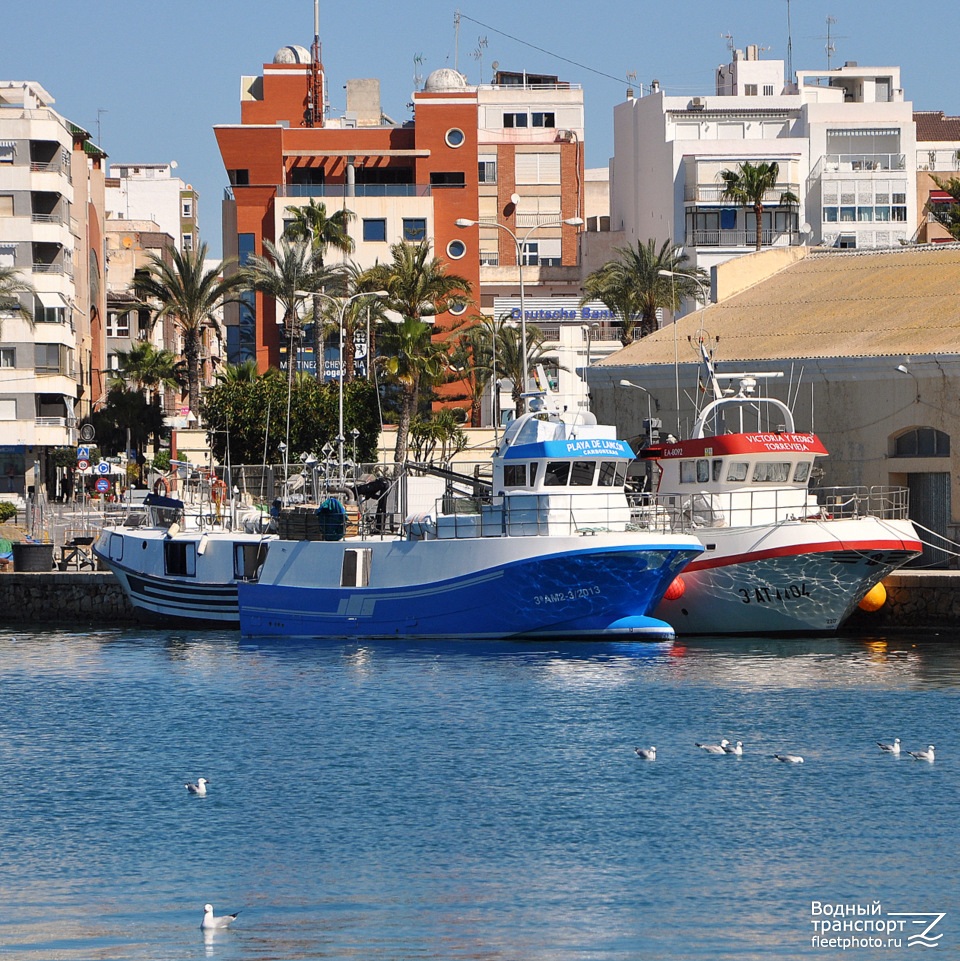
81	596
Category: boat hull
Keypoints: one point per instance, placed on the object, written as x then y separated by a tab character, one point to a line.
795	577
514	587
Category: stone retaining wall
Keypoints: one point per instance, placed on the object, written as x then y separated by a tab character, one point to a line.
915	599
87	596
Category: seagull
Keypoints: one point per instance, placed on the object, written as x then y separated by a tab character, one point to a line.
200	788
890	748
720	748
210	923
926	755
734	748
789	758
647	753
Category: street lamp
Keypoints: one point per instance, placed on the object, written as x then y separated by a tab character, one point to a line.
588	330
341	303
676	351
648	465
906	370
519	244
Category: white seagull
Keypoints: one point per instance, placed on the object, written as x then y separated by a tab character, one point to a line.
926	755
789	758
720	748
647	753
200	788
890	748
210	923
734	748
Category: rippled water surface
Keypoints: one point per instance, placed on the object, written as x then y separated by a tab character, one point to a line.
465	802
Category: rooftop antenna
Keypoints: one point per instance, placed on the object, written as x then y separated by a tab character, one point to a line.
830	38
417	76
789	46
631	82
100	110
478	54
456	40
729	38
316	110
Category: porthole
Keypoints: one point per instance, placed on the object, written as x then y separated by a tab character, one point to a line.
454	137
456	249
457	309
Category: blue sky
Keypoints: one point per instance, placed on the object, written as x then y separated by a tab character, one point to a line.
158	76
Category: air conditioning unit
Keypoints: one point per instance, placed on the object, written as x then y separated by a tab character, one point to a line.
697	103
565	136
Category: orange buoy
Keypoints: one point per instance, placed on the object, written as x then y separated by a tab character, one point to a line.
676	589
875	598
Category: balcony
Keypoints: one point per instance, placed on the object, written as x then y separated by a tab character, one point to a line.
858	163
48	268
358	190
742	238
536	220
713	193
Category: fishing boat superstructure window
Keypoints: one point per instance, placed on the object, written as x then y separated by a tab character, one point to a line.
582	473
612	474
514	475
802	474
737	472
717	470
355	571
694	471
180	558
247	558
771	472
557	473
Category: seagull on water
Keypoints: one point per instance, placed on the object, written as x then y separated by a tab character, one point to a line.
720	748
890	748
926	755
734	748
210	923
647	753
789	758
200	788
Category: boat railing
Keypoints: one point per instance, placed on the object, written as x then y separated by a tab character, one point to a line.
755	508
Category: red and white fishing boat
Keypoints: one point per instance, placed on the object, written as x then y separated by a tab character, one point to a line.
779	555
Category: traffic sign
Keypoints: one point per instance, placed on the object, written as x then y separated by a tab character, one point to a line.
83	453
102	468
83	464
103	485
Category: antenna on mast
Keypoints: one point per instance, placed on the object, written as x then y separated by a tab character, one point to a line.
456	40
315	106
789	46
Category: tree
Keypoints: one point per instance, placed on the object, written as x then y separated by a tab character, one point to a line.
312	225
191	295
948	215
417	286
749	185
288	273
245	371
471	362
510	359
12	285
631	286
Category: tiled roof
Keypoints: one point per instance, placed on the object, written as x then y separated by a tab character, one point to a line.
932	125
828	304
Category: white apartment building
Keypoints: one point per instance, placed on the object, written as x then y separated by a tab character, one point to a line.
51	233
844	139
152	191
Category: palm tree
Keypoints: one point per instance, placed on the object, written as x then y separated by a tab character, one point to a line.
245	372
288	273
11	286
417	286
311	224
510	359
472	363
749	184
191	295
632	285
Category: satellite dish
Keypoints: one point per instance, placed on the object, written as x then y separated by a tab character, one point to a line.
495	66
806	229
514	199
127	242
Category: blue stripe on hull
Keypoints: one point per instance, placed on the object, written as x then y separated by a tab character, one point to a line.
181	600
588	593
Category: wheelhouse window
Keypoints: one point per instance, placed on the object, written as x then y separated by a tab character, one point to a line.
771	472
717	469
737	472
582	473
802	474
694	471
557	473
515	475
612	473
180	558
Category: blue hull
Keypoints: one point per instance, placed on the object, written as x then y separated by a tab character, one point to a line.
601	592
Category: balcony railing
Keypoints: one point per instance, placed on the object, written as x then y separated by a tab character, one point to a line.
713	193
743	238
53	167
358	190
48	268
535	220
849	162
46	218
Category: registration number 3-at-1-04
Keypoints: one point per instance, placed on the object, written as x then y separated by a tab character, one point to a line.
572	594
770	595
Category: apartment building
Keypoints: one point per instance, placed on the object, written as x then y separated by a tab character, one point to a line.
51	233
844	140
507	156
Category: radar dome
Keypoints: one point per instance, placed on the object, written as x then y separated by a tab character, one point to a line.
445	79
292	54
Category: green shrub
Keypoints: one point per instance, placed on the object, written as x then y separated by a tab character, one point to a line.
7	511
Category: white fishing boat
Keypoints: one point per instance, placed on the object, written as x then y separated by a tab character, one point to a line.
547	549
181	562
779	555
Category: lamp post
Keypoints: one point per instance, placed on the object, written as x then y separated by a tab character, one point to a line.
676	351
341	303
906	370
588	330
649	466
519	244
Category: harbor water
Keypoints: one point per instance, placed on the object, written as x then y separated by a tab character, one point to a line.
451	801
